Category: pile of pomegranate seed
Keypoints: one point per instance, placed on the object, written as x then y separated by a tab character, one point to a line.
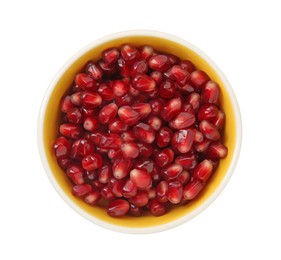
140	131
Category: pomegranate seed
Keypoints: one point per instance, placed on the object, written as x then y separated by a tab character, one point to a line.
88	112
184	177
94	137
132	91
144	133
108	113
85	82
164	157
110	141
134	210
106	92
105	173
167	89
143	109
61	147
171	109
203	146
76	99
182	120
124	68
117	127
140	200
198	136
175	191
130	189
128	115
98	185
92	198
210	92
74	116
164	137
173	59
219	120
216	150
91	176
107	69
156	106
124	100
194	100
91	124
188	161
143	83
130	150
203	171
178	74
156	208
162	191
75	173
187	65
116	186
120	88
192	189
94	70
209	130
66	104
81	189
146	52
107	193
208	112
128	136
171	172
145	164
154	122
91	162
113	154
118	208
121	168
145	149
151	193
141	178
64	162
81	147
110	56
199	78
159	62
91	99
139	67
70	130
157	76
182	141
129	53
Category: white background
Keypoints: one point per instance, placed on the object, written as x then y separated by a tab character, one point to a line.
242	37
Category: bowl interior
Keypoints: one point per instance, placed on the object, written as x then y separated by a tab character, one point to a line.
52	116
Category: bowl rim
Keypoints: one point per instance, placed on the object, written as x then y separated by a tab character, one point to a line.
207	202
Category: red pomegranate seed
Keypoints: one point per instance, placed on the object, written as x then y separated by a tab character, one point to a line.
75	173
61	147
219	120
145	149
81	190
89	112
64	162
130	150
199	78
70	130
91	124
141	178
156	106
164	137
164	157
124	68
117	126
94	70
110	56
85	82
182	120
188	161
110	141
184	177
129	53
194	100
121	168
120	88
81	147
178	74
210	92
171	109
175	191
133	92
157	76
143	109
116	186
209	130
173	59
94	137
92	198
159	62
198	136
187	65
156	208
74	116
107	69
91	176
151	193
140	200
107	193
171	172
135	211
118	208
76	99
129	190
182	141
146	52
203	146
91	99
192	189
128	136
208	112
108	113
162	191
128	115
66	104
98	185
92	162
216	150
167	89
143	83
105	173
154	122
139	67
203	171
106	92
124	100
144	133
114	154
